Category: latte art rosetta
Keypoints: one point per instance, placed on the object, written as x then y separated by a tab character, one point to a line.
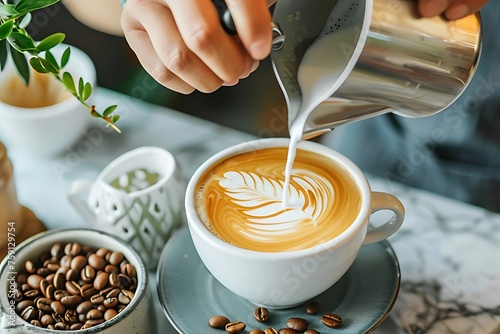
240	201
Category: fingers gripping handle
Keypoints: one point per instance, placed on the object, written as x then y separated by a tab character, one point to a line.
384	201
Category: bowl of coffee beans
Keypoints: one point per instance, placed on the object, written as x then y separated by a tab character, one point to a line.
74	281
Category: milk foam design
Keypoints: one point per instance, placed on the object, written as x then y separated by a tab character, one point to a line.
261	200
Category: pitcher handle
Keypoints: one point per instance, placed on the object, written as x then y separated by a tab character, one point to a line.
384	201
78	194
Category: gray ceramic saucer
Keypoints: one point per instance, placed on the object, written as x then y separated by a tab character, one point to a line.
190	295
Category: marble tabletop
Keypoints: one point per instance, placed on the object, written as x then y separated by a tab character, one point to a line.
448	250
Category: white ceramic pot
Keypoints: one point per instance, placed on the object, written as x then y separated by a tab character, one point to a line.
136	318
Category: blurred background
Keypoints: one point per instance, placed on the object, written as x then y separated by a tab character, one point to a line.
256	105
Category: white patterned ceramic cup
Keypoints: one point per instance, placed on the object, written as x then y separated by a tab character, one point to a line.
282	278
136	318
144	216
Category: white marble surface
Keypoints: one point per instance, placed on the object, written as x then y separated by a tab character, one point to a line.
448	251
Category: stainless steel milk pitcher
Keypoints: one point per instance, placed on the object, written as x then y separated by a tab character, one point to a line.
398	61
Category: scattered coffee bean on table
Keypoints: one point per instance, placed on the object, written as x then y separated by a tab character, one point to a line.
66	288
311	331
261	314
331	320
312	308
271	330
218	321
235	327
256	331
287	331
297	324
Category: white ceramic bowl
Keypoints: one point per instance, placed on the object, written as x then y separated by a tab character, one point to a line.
134	319
52	129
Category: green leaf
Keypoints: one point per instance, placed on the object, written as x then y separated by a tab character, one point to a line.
50	57
109	110
48	65
37	65
21	64
7	10
22	42
115	119
50	41
65	57
6	29
3	53
68	82
87	91
80	87
26	6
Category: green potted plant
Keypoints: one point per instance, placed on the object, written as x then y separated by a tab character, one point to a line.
25	52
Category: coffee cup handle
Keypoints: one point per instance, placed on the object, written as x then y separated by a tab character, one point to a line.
384	201
78	194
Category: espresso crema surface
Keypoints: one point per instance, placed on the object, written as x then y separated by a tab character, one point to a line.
239	200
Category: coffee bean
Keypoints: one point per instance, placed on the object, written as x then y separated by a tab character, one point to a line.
82	317
94	314
34	281
47	320
110	269
235	327
30	267
43	271
120	307
125	297
84	307
270	330
125	281
297	324
76	326
331	320
311	331
58	307
114	292
29	313
110	302
18	295
218	321
49	292
261	314
53	267
102	308
116	258
78	263
21	279
101	280
97	299
73	249
256	331
50	278
66	261
44	304
114	281
70	316
312	308
71	275
88	290
110	314
71	301
73	288
22	305
36	323
102	252
96	262
94	322
59	280
287	331
59	294
61	326
129	270
57	250
31	294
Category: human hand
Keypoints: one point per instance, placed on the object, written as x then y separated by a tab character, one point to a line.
451	9
182	44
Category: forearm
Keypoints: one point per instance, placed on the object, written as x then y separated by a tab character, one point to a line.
102	15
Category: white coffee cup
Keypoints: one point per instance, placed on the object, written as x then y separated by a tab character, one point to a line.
135	318
52	129
144	218
272	279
